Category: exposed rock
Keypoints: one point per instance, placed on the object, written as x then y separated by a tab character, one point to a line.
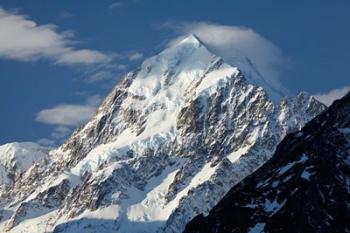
304	187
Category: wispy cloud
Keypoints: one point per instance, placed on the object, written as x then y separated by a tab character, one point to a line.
46	142
84	56
94	100
235	44
65	117
121	67
116	5
105	73
60	132
57	136
69	114
329	97
65	15
24	40
134	56
99	76
66	114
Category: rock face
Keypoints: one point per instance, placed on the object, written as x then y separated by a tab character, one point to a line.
166	144
305	187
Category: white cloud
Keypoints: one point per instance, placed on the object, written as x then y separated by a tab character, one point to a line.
85	56
65	117
121	67
99	76
56	137
23	39
66	114
134	56
106	74
235	44
46	142
70	114
328	97
60	132
94	100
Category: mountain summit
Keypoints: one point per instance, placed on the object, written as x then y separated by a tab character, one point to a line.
166	144
192	38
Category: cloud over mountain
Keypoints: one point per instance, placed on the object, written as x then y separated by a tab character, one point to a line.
235	45
334	94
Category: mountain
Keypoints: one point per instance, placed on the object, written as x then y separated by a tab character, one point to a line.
305	187
15	159
166	144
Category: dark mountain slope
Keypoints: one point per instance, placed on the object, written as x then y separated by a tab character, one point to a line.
305	187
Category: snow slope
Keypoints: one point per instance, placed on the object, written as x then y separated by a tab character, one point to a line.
16	158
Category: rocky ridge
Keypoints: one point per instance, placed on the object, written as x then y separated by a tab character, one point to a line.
303	188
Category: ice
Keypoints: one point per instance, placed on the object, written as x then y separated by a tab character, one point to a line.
303	158
273	207
306	175
286	168
291	164
251	205
258	228
234	156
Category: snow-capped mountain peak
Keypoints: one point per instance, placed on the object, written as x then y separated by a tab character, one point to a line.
185	124
245	64
178	69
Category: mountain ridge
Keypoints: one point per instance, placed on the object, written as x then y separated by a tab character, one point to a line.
304	187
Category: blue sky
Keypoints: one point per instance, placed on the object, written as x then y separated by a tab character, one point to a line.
58	59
